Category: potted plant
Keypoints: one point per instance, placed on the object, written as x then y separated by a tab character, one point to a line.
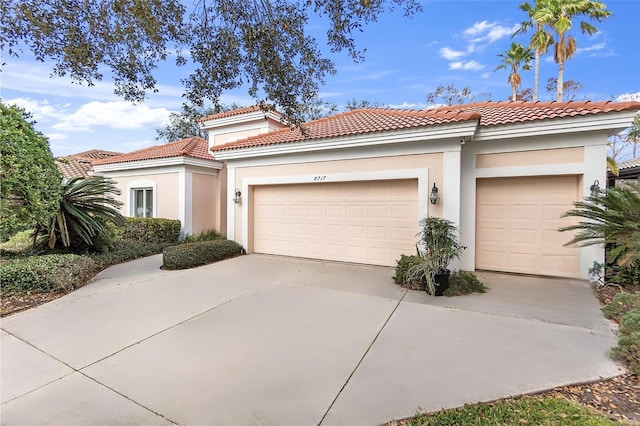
437	247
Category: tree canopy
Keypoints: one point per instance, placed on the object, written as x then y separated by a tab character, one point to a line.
225	44
30	178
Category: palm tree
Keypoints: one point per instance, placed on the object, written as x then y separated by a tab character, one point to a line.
540	40
611	217
557	15
513	58
634	134
86	211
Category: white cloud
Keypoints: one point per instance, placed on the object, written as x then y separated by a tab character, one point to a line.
628	97
56	136
451	54
485	31
41	111
598	46
486	75
466	66
409	105
116	115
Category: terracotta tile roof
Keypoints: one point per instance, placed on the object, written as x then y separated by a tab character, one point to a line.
629	164
194	147
360	121
367	120
240	111
500	113
80	164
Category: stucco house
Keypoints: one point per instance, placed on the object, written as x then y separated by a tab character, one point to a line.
352	187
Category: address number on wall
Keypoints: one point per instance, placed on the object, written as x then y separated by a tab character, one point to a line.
319	178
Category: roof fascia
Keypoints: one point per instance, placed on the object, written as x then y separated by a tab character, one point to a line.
159	162
613	122
454	130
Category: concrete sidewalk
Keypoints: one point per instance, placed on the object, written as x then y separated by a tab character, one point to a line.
274	340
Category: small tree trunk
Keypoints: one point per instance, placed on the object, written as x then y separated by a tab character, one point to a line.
560	81
536	76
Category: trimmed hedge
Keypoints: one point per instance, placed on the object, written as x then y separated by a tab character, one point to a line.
190	255
147	230
50	273
125	251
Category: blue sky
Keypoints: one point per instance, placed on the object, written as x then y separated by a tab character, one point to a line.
450	42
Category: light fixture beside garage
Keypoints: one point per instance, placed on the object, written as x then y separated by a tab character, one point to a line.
237	196
434	197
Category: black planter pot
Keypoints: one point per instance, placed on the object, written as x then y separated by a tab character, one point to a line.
442	282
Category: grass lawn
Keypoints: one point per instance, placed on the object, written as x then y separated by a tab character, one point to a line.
527	410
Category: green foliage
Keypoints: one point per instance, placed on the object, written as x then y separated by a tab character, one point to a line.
463	282
50	273
87	209
622	304
628	275
451	95
543	411
516	58
438	246
403	268
18	243
206	235
125	250
226	44
628	349
612	217
146	230
190	255
30	179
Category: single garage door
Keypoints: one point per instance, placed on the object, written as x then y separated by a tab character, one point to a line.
517	221
370	222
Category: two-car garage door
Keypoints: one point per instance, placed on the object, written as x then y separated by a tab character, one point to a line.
517	221
370	222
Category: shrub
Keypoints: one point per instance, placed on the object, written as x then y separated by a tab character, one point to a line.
206	235
126	250
199	253
463	282
628	349
404	264
622	304
628	275
150	230
50	273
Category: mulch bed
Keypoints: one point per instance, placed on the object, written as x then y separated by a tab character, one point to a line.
619	397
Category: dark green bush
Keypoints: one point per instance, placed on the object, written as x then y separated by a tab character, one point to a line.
403	269
206	235
628	349
126	250
463	282
622	304
199	253
624	275
147	230
50	273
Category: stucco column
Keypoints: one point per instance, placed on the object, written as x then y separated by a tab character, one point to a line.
185	202
451	191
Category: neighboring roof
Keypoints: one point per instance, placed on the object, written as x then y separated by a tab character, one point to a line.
241	111
193	147
354	122
368	120
629	164
80	164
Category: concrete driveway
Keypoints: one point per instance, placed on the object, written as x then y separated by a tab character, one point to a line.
272	340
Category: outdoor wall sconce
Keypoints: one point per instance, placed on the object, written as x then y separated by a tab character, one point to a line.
237	196
434	197
595	188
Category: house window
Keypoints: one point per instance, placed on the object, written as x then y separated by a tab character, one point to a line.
142	202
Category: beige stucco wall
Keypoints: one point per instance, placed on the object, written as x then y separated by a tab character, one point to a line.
205	203
531	158
433	162
166	193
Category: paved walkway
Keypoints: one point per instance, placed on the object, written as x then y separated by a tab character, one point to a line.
282	341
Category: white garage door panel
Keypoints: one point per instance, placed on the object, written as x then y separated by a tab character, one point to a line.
517	225
369	222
